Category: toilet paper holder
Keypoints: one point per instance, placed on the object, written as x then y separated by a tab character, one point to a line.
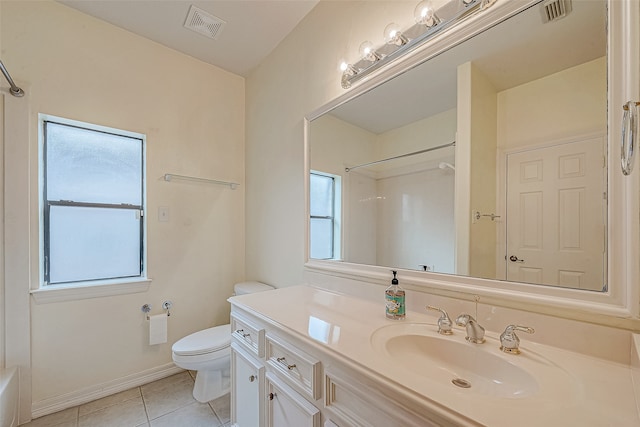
146	308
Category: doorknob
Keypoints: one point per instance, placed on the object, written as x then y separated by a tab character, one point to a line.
514	258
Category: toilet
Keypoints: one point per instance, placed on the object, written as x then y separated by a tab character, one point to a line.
209	353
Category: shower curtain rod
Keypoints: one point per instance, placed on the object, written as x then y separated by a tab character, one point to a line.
426	150
15	90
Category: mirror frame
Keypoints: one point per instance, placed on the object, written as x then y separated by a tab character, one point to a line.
618	306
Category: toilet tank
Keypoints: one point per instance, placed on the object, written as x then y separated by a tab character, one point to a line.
243	288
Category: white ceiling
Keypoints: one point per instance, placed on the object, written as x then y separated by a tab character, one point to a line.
253	27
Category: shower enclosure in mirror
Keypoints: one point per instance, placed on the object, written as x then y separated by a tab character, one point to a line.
487	160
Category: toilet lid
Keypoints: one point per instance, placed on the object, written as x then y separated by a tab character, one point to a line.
205	341
244	288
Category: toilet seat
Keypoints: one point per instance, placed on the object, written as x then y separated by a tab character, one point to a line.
203	342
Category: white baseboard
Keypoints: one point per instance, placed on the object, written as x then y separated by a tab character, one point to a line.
88	394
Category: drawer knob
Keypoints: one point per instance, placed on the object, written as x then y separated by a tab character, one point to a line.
271	396
284	362
252	378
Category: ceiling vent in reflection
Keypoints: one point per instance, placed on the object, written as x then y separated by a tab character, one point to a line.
204	23
552	10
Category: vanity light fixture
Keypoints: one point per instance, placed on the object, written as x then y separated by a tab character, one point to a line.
428	21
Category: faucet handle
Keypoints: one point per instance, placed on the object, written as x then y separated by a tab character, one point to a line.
444	322
509	341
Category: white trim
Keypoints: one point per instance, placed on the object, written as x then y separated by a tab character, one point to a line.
42	117
74	292
90	126
88	394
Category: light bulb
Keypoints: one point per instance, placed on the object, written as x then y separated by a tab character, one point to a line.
367	52
425	14
393	35
348	69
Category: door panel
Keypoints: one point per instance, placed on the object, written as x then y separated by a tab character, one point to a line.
556	215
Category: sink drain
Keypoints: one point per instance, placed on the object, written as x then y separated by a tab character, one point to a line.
461	383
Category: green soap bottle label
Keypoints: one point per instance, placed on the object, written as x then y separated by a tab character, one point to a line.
395	304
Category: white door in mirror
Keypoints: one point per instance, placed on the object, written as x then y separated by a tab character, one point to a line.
556	216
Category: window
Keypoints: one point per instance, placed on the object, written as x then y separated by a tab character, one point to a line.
92	187
324	224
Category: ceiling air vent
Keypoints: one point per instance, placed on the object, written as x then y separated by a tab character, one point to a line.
552	10
204	23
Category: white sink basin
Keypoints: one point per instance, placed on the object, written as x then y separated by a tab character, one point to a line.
475	368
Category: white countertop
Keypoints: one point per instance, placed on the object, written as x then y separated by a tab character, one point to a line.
588	391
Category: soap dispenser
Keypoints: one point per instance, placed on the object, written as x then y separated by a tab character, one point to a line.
394	300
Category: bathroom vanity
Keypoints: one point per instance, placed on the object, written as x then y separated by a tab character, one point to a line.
303	355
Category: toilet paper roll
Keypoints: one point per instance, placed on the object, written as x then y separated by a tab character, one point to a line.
158	329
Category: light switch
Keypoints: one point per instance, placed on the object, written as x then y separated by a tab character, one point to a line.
163	214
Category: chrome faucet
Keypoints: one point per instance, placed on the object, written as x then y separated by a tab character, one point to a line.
444	322
509	341
475	332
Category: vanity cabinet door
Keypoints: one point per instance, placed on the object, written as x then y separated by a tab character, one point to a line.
287	408
247	395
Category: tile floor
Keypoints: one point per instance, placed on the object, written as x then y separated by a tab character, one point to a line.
164	403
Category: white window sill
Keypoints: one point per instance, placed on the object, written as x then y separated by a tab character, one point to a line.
60	293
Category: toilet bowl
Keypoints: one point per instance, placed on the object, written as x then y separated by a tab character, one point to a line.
208	352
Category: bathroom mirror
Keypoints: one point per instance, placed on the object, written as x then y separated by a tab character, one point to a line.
488	160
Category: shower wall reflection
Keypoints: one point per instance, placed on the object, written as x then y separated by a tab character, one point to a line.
398	212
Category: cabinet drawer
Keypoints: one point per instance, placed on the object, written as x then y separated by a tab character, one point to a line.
296	367
248	334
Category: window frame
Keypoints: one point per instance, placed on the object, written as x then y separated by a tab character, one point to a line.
335	217
139	282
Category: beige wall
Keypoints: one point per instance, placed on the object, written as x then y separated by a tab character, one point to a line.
193	116
334	144
301	75
439	129
482	245
564	104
